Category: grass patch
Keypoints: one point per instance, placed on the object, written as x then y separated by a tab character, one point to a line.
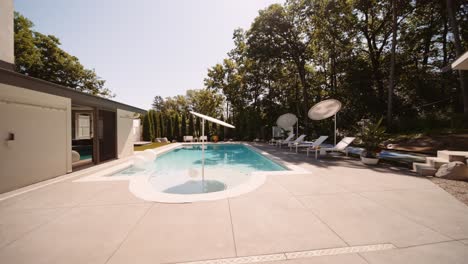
150	146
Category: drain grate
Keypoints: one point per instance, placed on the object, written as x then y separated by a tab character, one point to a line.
338	251
295	255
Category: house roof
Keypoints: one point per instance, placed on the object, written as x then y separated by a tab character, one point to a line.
27	82
461	63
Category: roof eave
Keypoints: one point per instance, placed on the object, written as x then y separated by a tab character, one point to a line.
31	83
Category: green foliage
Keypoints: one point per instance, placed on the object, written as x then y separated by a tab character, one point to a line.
221	129
176	127
170	128
301	52
156	124
150	146
372	134
40	56
183	125
151	127
146	128
197	131
191	126
203	101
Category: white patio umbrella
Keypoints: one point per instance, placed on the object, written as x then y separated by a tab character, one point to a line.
324	110
286	121
214	120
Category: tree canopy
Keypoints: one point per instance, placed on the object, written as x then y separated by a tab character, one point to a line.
301	52
40	56
385	59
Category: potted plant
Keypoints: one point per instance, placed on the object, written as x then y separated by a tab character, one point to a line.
214	134
371	134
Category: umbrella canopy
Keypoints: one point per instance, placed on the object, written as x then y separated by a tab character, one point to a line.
212	119
286	121
324	109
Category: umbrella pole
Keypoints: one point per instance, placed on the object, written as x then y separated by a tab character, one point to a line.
297	127
334	131
203	153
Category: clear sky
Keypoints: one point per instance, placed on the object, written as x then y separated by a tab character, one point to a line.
144	48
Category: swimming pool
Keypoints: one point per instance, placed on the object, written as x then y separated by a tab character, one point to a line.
179	171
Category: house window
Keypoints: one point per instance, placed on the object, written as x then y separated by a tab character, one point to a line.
83	126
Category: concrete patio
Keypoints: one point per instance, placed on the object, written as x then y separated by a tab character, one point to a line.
339	204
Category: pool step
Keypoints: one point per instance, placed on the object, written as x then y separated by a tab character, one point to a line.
445	154
436	162
432	164
424	169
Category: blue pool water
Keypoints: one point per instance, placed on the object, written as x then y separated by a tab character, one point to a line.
237	157
226	166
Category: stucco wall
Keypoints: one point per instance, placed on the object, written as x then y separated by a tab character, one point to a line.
136	130
41	148
124	133
6	31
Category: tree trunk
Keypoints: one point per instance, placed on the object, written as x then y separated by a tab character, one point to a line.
459	52
302	76
298	110
391	82
444	53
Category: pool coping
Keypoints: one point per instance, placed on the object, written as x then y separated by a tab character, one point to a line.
140	187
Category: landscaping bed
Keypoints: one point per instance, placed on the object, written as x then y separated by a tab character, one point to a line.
459	189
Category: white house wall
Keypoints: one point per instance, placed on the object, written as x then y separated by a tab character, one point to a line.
6	31
41	148
125	136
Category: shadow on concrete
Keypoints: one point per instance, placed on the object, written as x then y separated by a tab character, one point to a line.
331	160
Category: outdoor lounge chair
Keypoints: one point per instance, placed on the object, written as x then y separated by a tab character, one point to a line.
188	138
300	139
286	141
342	146
203	138
311	144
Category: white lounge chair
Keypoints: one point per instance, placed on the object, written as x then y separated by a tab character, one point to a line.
286	141
188	138
311	144
203	138
342	146
298	140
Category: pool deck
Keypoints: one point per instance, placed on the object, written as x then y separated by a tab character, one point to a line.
339	212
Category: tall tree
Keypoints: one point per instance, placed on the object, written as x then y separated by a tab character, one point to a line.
278	33
375	26
146	128
170	127
459	52
157	124
183	125
391	82
191	126
176	127
221	130
162	123
151	125
197	127
158	103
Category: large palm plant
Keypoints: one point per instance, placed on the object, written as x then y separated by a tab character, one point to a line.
371	134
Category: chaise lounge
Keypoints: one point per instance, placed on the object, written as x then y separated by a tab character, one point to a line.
311	145
342	146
